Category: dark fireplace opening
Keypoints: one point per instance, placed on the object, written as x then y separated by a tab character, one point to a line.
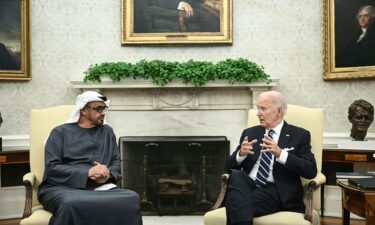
174	175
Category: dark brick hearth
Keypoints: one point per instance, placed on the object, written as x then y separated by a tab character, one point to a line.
174	175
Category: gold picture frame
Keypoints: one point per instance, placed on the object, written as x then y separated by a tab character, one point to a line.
15	40
169	22
346	55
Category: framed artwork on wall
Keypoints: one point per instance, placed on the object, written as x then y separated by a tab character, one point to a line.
348	39
176	22
15	40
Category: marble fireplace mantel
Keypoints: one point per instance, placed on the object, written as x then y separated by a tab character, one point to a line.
141	108
144	95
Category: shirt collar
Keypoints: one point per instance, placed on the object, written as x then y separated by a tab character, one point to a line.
278	128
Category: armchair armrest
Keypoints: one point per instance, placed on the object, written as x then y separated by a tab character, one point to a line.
318	180
311	186
223	190
29	178
119	181
28	181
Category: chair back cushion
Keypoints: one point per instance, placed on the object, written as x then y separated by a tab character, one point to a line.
42	121
311	119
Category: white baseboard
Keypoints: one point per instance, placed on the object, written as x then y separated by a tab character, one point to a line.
12	202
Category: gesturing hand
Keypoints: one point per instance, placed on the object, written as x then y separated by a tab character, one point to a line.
269	145
247	147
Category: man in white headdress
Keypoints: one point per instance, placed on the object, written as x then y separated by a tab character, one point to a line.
81	156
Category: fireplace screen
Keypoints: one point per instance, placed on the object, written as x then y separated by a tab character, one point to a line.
174	175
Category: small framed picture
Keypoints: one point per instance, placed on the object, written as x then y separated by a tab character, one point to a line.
15	40
176	22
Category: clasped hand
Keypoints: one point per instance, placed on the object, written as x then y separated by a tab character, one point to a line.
268	145
99	173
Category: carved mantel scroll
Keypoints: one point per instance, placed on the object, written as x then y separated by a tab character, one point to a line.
144	95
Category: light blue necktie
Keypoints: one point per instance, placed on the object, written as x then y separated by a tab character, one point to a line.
264	166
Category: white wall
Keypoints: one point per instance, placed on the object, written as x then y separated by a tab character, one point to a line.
283	36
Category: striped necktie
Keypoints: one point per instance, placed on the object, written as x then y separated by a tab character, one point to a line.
264	166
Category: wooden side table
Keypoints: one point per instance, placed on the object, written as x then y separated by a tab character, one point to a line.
347	156
358	201
13	165
14	157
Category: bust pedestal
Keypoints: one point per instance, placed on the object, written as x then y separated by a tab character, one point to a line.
356	145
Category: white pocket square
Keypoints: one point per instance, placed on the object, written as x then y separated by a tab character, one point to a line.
288	149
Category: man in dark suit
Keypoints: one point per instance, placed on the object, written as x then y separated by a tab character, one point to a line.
361	50
267	165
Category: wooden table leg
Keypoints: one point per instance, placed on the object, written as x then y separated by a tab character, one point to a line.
370	220
345	212
345	216
322	199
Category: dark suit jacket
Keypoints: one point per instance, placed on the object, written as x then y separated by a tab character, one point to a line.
361	53
300	163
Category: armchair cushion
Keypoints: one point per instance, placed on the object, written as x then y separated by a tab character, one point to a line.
218	217
39	216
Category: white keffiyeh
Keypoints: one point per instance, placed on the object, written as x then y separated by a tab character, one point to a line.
82	100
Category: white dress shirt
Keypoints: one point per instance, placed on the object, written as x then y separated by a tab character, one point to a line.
362	35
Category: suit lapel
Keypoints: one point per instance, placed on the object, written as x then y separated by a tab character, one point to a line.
259	135
285	136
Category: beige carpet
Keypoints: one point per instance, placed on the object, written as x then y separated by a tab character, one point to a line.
172	220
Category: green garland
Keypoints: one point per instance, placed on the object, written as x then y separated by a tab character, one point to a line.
197	73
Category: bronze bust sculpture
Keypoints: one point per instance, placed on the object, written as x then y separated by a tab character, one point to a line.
361	115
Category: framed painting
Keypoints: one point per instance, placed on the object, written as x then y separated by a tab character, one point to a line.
348	39
176	22
15	40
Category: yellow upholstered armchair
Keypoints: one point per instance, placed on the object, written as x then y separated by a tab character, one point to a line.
312	120
41	123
